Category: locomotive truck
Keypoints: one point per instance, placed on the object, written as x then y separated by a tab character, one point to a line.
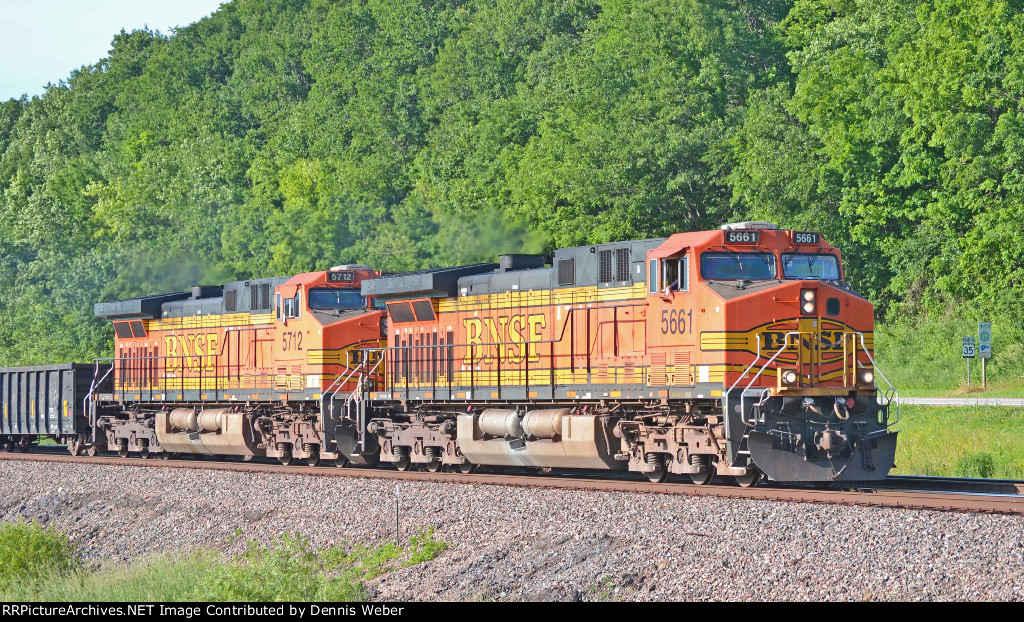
740	353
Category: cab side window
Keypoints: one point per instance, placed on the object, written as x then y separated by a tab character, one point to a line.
675	274
292	307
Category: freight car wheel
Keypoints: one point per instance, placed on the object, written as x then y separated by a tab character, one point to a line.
434	466
404	463
342	461
75	446
749	479
466	467
313	459
93	451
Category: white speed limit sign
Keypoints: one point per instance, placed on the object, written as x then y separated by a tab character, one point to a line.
969	351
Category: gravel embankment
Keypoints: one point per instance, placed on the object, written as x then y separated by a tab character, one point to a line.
526	544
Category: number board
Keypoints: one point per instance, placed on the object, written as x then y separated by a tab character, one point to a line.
340	277
742	237
805	237
968	351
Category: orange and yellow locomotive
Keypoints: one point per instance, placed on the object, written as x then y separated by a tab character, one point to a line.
739	352
247	368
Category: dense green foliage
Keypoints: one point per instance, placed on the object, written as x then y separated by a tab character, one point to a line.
278	136
288	569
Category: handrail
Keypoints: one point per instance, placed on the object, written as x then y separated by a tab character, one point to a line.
93	387
725	402
892	387
335	386
353	396
785	344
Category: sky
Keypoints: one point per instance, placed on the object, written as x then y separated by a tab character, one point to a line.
43	41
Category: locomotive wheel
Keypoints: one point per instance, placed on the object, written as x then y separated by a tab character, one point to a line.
750	479
703	479
434	466
659	476
404	463
466	467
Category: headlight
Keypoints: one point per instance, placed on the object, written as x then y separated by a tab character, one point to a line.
867	376
789	377
808	305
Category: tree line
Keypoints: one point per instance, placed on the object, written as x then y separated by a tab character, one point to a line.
281	136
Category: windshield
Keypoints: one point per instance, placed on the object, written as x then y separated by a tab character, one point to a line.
335	299
808	266
736	266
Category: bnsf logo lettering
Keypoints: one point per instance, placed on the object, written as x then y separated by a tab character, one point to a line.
828	341
191	352
511	332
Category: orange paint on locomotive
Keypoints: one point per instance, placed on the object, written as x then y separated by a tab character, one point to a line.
236	356
645	339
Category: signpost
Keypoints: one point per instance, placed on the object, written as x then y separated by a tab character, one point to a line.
969	353
984	347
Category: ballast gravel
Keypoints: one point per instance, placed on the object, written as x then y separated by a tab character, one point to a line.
515	543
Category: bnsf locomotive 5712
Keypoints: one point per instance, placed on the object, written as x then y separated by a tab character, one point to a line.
739	352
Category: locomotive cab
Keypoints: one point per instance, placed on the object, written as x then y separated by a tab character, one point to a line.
323	322
766	322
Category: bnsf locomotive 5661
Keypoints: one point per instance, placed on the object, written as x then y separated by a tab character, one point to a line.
739	352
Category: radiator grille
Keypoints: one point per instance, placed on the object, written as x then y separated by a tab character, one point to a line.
605	263
622	264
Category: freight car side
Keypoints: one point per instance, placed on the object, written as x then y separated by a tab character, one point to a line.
49	400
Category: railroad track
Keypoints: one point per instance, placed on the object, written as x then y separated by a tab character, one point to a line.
913	492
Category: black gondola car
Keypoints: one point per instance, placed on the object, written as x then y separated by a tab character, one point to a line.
48	400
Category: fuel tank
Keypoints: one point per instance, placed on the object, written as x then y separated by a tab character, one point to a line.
209	431
539	438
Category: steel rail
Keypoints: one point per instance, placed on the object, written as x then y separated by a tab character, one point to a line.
880	496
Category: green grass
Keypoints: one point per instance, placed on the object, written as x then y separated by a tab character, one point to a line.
1004	389
29	553
922	357
962	441
287	569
